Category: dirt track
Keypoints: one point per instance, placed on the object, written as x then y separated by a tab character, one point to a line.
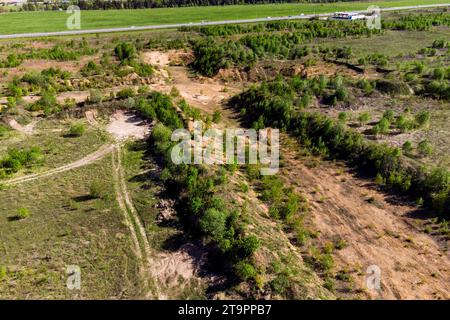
97	155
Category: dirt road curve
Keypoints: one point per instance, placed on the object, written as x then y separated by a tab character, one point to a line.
97	155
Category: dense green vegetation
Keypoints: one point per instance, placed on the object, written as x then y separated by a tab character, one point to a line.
213	54
16	159
201	209
272	104
262	40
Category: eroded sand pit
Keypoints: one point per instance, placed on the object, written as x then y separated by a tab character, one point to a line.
126	125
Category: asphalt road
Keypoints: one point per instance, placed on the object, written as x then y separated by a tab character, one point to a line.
192	24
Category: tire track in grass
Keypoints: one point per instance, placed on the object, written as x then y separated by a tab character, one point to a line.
90	158
141	246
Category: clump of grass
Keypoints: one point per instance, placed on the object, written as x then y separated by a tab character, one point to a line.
22	213
97	190
77	129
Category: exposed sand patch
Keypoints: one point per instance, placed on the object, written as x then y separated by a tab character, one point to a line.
162	59
380	233
184	263
91	116
27	129
126	125
157	58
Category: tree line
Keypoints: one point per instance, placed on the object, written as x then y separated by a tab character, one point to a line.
272	104
145	4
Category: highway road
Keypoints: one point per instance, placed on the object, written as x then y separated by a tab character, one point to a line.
205	23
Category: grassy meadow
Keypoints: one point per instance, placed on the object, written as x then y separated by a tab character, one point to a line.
49	21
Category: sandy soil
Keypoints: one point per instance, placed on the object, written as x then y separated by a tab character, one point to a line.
126	125
27	129
381	233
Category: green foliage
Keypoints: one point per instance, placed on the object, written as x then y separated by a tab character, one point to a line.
3	130
423	118
425	148
125	93
95	96
343	116
97	189
159	106
125	51
16	159
324	136
77	129
248	245
212	54
23	213
407	147
217	115
363	118
245	271
392	87
90	69
213	223
382	127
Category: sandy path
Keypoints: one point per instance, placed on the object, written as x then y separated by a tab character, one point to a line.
97	155
165	269
412	264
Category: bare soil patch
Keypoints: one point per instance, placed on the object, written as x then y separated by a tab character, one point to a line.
126	125
377	230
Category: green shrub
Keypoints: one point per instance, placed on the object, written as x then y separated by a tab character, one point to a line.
217	115
343	116
425	148
77	129
248	245
97	189
364	118
125	51
125	93
423	118
3	129
382	127
245	271
407	147
403	123
23	213
95	96
439	74
213	223
389	115
392	87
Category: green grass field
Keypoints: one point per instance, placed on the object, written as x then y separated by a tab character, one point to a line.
28	22
65	227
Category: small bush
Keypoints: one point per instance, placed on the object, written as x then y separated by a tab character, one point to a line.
407	147
343	116
364	118
23	213
423	118
97	190
125	93
77	129
245	271
213	223
95	96
425	148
